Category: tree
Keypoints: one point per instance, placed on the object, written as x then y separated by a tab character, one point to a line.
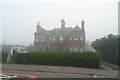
108	47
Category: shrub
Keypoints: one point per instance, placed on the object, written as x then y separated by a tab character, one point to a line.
4	57
85	59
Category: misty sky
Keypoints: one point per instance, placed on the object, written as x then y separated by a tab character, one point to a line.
19	19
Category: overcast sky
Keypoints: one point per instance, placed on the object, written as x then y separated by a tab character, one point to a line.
19	18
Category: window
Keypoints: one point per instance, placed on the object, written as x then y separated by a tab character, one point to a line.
37	39
81	38
70	49
53	38
50	38
76	37
43	49
70	37
42	38
81	49
61	38
75	48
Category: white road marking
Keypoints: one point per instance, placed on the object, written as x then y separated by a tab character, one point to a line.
97	76
7	76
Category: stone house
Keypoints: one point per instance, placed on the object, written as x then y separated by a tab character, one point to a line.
60	39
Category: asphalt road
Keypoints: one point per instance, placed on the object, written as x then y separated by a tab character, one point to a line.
48	71
49	74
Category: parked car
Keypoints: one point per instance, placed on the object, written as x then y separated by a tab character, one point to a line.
18	50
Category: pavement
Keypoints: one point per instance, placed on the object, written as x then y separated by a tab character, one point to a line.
109	66
61	69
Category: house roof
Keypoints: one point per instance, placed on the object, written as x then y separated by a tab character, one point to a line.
60	31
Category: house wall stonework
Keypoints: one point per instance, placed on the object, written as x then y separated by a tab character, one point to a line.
60	39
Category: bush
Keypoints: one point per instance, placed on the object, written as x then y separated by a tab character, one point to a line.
85	59
108	47
4	57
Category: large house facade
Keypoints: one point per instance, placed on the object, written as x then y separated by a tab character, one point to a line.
60	39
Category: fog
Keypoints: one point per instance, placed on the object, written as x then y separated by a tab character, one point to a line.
19	19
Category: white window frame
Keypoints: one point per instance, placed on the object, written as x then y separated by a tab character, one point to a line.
53	38
81	37
81	49
36	39
70	37
50	38
75	48
70	49
61	38
75	37
42	38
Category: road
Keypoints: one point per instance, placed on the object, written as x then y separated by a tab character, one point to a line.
53	75
49	74
49	71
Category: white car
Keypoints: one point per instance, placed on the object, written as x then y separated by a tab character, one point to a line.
19	50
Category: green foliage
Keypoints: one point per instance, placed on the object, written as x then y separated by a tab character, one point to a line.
118	49
86	59
4	57
108	47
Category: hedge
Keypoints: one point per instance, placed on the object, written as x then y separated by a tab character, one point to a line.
3	55
77	59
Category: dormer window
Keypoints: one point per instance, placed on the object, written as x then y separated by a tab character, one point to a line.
61	38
